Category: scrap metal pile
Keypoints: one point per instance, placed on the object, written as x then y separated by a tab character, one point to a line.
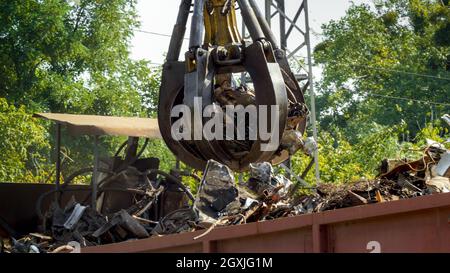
164	206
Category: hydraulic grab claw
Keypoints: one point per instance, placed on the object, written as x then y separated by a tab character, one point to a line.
205	79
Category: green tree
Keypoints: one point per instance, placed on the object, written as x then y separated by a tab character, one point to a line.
378	63
23	146
63	57
72	57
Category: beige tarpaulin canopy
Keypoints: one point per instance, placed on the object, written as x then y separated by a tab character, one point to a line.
98	126
105	125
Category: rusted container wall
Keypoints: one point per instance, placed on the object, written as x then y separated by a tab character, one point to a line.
18	203
414	225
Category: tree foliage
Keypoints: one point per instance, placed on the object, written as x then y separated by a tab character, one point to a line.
73	57
64	57
385	85
23	145
341	161
379	63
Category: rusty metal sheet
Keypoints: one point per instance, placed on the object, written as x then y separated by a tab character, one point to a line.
106	125
443	167
18	202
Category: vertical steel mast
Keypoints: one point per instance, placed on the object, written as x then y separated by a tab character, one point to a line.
294	39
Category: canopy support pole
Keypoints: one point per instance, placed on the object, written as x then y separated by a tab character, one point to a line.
58	161
95	174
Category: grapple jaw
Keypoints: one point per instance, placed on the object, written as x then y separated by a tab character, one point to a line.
205	113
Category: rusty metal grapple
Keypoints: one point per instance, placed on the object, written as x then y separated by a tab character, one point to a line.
214	70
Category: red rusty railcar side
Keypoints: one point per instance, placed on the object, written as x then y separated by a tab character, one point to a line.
412	225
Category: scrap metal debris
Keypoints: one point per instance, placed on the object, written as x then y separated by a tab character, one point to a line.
443	167
182	220
446	118
220	201
218	194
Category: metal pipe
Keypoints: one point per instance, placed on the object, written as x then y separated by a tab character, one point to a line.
311	90
131	150
197	25
243	74
179	30
306	171
58	156
95	174
250	20
294	175
268	12
264	25
283	39
288	164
